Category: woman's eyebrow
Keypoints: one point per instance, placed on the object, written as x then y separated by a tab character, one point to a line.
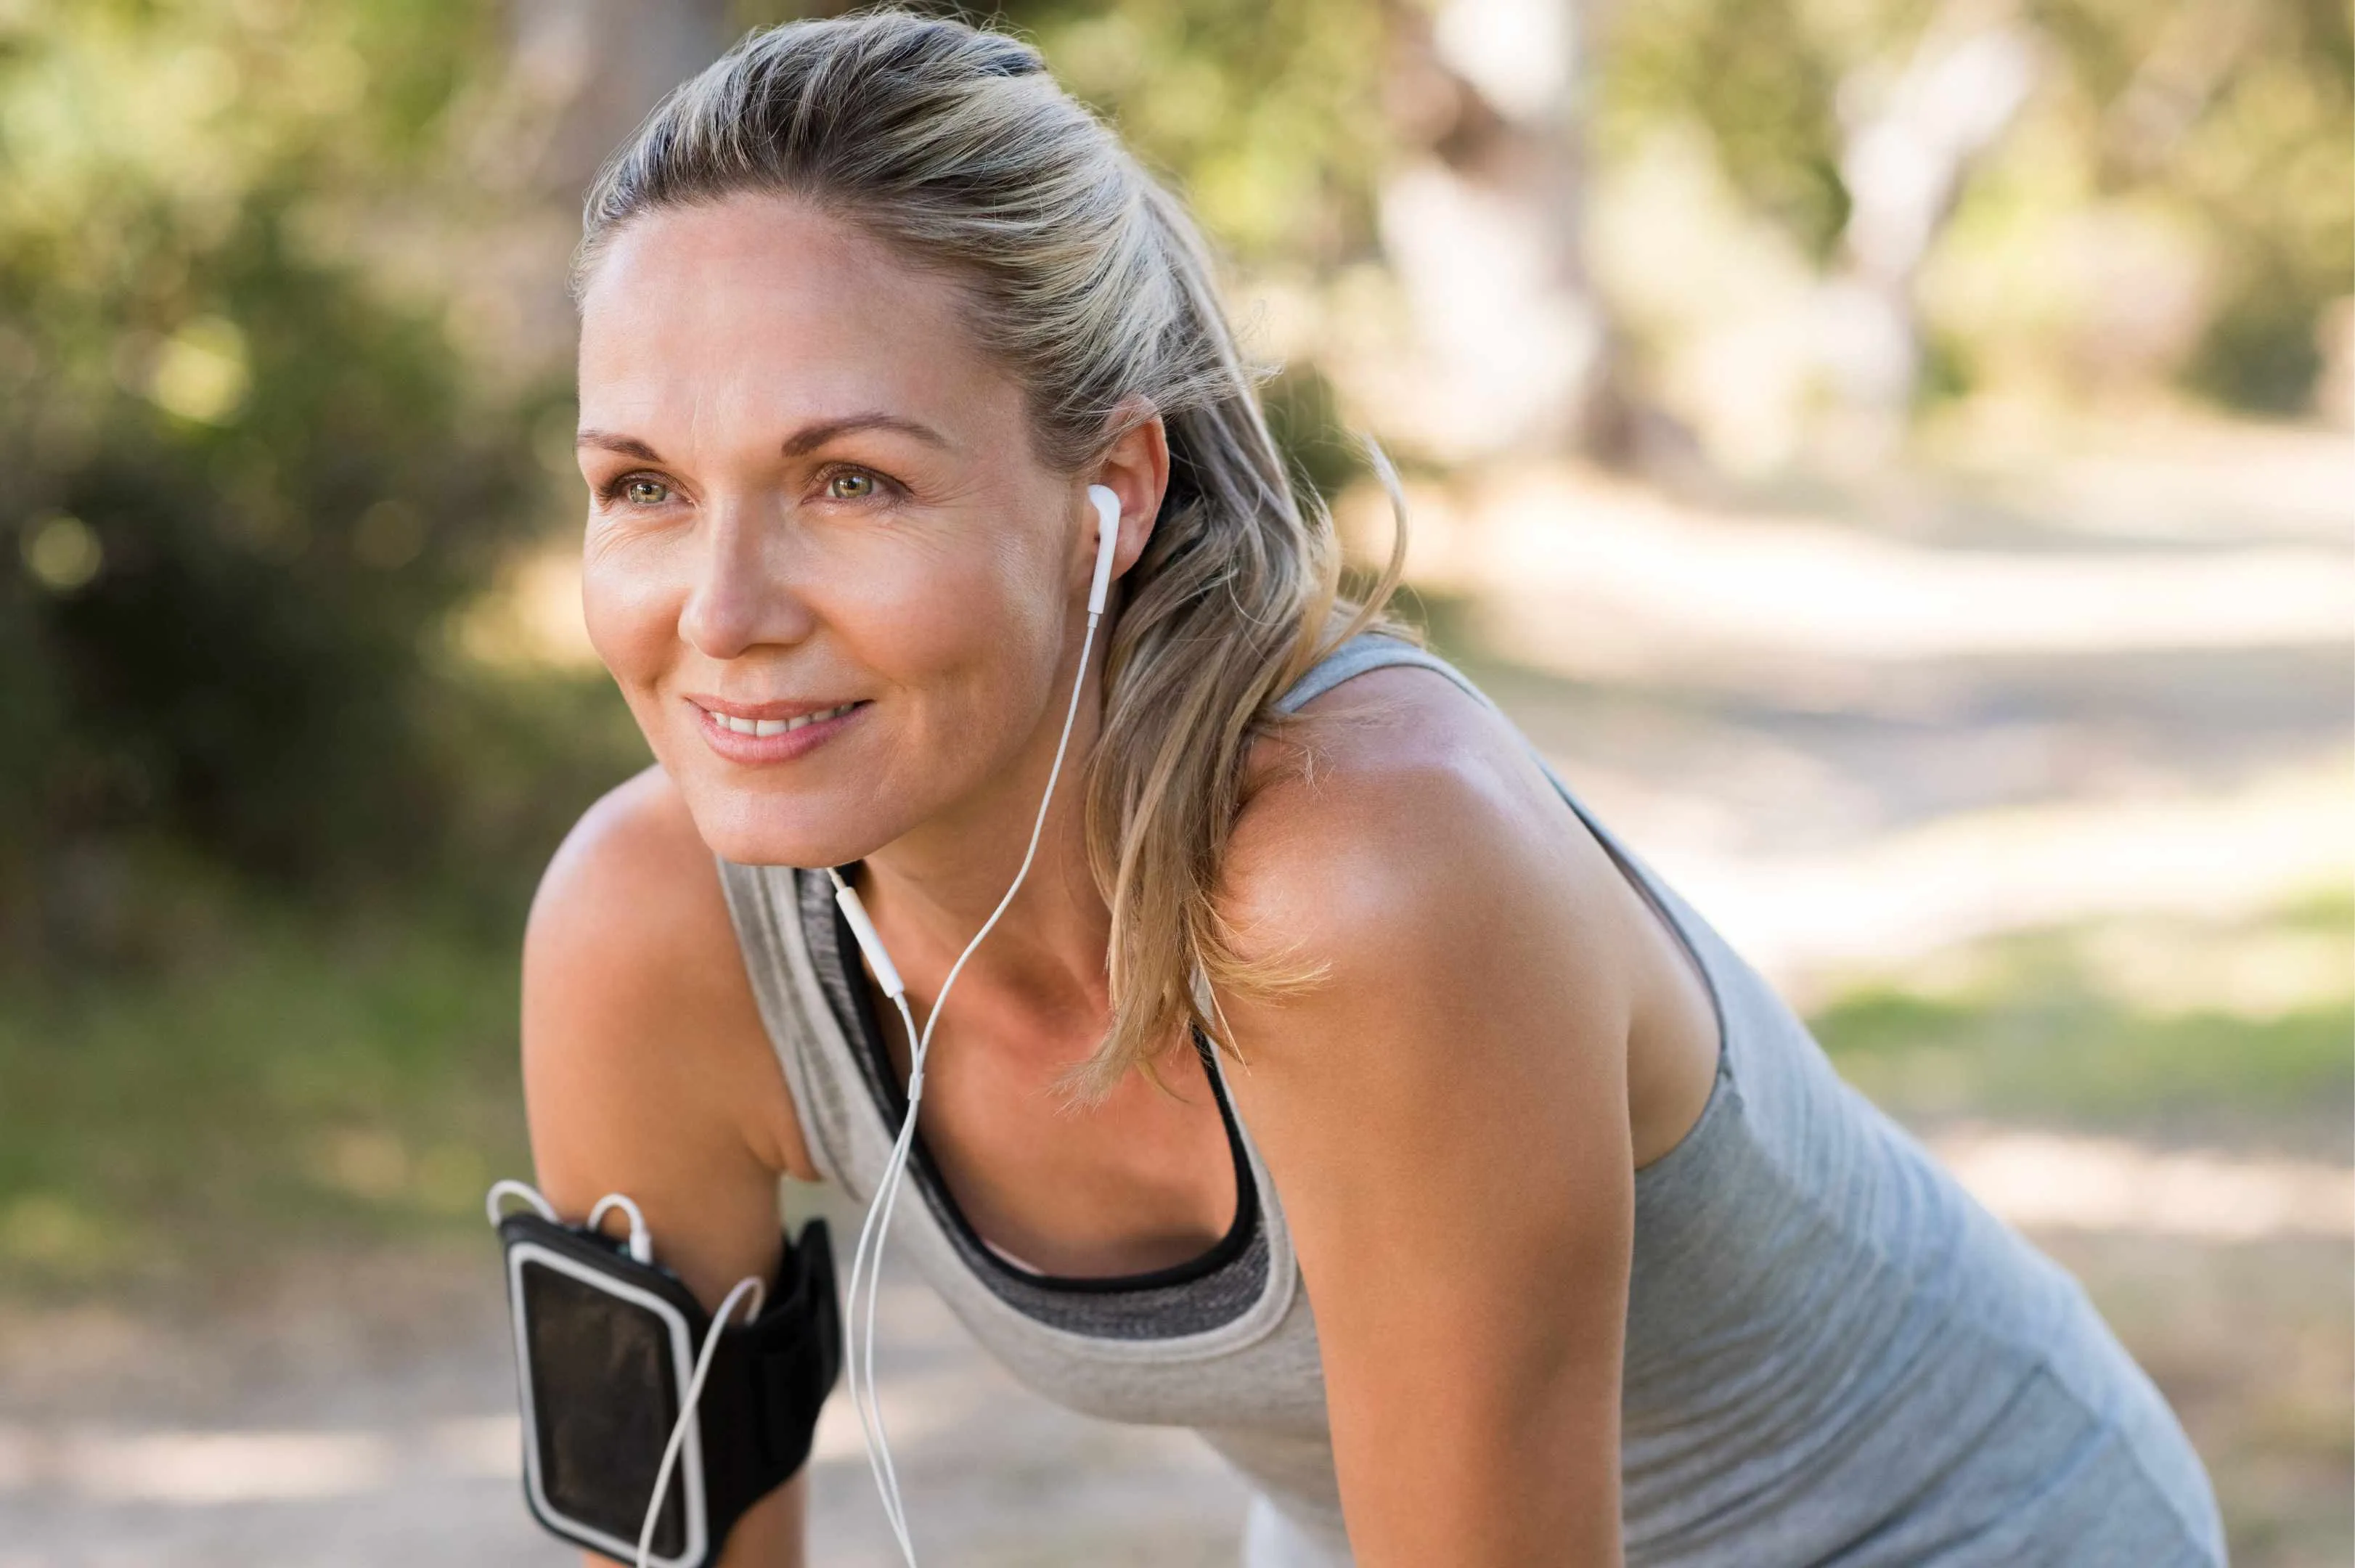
627	445
809	438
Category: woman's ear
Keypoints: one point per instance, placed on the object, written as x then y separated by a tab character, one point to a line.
1135	468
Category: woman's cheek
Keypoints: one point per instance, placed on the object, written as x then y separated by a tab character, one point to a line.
941	619
632	618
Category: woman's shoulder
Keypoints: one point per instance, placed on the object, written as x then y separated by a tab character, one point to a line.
632	974
1443	1104
638	833
1393	773
632	892
1396	811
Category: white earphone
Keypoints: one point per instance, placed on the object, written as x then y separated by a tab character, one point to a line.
1107	506
867	1263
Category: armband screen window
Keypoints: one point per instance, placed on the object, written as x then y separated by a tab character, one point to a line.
610	1346
606	1363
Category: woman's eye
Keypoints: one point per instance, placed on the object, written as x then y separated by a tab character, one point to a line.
647	491
851	486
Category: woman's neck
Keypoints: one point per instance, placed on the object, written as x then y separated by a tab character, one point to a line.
931	889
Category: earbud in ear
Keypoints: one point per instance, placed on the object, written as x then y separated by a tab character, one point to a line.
1107	505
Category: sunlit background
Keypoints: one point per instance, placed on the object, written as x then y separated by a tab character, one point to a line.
1894	455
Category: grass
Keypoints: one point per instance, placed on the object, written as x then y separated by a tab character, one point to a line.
2241	1032
295	1085
244	1076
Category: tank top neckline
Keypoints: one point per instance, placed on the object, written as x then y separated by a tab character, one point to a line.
880	1077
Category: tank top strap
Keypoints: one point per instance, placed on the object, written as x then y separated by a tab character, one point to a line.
1367	650
1376	650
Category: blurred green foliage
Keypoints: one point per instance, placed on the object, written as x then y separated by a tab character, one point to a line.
2239	115
319	1084
1762	81
2228	121
246	484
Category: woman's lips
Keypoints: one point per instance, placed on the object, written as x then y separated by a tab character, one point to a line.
787	738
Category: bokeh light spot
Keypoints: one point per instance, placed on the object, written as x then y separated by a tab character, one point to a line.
63	553
201	374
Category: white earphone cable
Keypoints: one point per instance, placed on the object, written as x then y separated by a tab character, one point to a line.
862	1369
750	1285
867	1264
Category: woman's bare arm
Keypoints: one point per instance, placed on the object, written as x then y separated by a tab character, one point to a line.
646	1069
1446	1122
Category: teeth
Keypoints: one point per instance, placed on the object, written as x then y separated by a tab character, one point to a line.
779	726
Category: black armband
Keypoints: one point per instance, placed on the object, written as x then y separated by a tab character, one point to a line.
605	1347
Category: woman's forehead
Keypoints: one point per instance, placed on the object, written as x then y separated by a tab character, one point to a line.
767	308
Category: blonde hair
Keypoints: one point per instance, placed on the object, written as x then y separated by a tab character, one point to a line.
1090	283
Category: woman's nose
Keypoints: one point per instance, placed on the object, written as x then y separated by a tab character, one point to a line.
742	596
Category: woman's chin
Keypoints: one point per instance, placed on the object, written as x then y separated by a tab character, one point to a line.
752	829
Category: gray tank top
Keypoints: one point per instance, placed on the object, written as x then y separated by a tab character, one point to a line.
1833	1355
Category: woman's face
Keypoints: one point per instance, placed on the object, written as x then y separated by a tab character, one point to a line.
815	515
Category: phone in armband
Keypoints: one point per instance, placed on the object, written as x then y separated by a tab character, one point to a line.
650	1425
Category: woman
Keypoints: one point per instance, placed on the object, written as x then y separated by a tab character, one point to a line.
1335	1085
